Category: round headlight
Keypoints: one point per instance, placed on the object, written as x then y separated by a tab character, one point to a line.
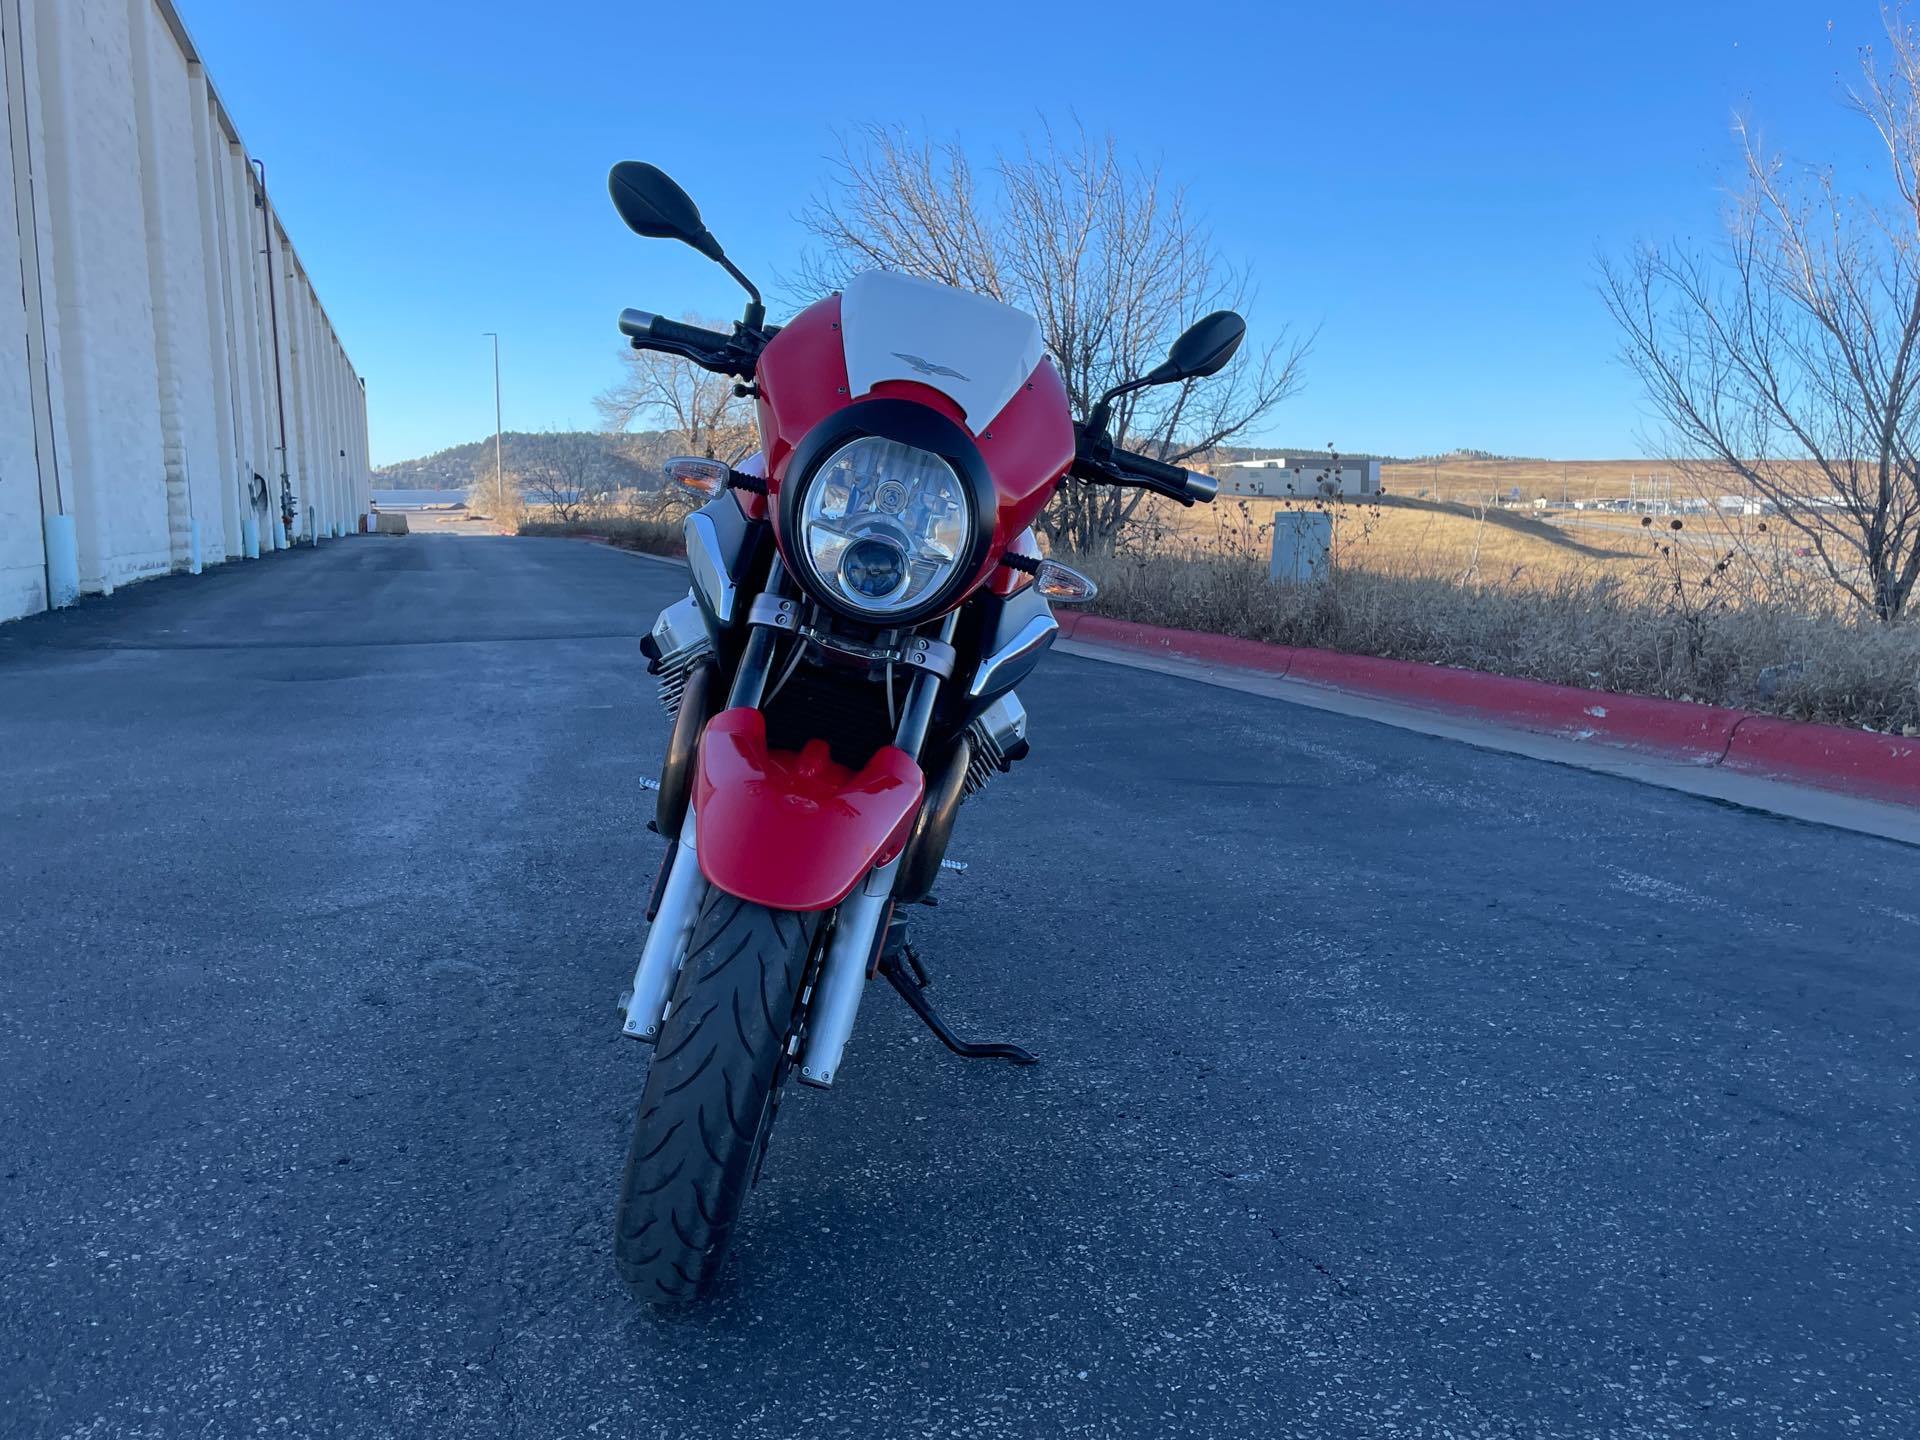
884	525
874	568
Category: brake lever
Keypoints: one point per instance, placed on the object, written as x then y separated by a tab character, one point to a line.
723	363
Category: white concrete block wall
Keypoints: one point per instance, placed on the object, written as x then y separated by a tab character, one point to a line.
177	265
146	288
23	575
260	381
104	309
224	458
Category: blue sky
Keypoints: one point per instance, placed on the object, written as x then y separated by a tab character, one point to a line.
1428	184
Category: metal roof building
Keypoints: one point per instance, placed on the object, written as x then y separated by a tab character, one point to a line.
1299	477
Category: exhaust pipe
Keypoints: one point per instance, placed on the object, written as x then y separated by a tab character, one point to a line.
667	942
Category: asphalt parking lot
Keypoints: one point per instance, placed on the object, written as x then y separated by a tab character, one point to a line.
1391	1087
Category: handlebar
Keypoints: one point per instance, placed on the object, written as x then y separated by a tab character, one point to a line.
643	325
1186	486
1098	461
713	350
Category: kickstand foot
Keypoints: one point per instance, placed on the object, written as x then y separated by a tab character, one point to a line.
912	989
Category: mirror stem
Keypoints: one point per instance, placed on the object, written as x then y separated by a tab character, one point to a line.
1102	412
756	315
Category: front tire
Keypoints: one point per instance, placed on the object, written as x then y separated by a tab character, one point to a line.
707	1107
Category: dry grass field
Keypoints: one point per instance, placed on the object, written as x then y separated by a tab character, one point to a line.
1718	611
1445	539
1481	482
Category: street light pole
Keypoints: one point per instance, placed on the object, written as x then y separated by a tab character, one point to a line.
499	475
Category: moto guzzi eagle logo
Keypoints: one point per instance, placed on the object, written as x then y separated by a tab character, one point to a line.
927	367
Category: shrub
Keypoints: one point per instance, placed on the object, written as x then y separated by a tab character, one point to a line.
1659	637
629	532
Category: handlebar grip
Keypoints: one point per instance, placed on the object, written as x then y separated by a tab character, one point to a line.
644	325
1188	485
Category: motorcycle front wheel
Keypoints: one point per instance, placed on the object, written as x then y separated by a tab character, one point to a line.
707	1107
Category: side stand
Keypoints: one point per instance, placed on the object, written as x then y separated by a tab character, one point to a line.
895	966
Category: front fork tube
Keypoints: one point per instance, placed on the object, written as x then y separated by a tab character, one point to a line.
756	660
668	938
686	888
862	916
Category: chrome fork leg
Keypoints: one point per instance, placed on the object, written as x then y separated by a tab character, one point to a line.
667	942
686	888
843	976
858	921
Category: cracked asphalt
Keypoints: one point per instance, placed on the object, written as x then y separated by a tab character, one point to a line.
1391	1087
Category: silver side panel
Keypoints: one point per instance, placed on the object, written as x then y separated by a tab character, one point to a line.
710	576
1030	639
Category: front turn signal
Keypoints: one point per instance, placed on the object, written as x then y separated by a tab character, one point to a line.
1063	583
704	477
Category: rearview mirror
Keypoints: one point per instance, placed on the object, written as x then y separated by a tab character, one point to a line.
652	205
1203	349
1206	347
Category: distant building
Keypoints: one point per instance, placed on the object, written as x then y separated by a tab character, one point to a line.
1299	477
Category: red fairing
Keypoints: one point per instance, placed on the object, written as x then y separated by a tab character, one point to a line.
802	378
1027	446
826	825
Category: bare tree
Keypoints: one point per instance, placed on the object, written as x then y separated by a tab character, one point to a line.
495	494
697	409
570	472
1106	254
1792	357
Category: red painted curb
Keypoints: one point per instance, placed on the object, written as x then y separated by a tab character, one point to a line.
1880	767
1194	644
1831	757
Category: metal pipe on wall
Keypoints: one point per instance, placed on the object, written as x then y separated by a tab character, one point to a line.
60	542
273	313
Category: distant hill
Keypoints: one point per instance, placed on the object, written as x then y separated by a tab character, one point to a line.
1228	454
633	460
1232	454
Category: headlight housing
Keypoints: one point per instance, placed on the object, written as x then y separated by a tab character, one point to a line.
883	525
887	512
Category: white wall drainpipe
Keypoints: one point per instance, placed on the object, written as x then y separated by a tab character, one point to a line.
63	561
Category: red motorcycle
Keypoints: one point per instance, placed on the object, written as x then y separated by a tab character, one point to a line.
867	593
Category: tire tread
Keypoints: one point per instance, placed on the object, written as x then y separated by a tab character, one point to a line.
702	1115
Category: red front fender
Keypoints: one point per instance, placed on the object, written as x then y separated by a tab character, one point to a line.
795	831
